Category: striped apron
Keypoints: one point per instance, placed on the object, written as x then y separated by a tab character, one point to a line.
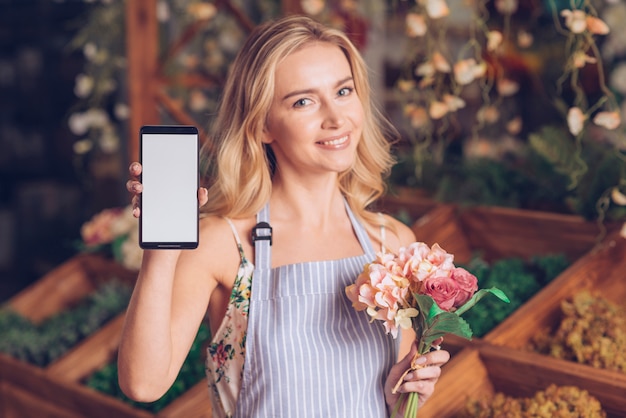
309	353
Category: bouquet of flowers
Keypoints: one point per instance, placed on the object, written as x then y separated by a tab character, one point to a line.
114	232
420	287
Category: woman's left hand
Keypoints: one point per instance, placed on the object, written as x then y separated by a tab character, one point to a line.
422	380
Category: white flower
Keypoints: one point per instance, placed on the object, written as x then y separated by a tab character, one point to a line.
437	110
83	86
608	120
580	59
312	7
494	40
415	25
436	8
575	120
618	197
467	70
453	103
90	51
121	111
575	20
78	123
162	11
403	317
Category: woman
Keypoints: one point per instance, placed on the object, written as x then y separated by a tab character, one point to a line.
298	145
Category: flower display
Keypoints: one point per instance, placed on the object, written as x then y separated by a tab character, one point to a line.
114	231
420	288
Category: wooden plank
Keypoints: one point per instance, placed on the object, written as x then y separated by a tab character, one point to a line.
67	284
193	403
142	57
19	403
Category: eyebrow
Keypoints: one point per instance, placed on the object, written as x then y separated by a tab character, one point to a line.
307	91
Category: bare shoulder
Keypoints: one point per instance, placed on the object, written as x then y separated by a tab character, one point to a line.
399	235
217	254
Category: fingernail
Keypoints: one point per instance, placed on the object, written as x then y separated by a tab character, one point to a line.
409	376
420	360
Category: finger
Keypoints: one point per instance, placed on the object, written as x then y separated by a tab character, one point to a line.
136	210
134	169
134	186
437	357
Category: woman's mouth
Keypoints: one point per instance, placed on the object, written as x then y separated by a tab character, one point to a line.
335	142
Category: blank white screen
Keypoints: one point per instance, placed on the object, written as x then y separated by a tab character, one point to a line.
169	212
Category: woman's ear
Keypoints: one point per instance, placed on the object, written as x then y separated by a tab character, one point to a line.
267	138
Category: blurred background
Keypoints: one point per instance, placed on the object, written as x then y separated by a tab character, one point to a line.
507	103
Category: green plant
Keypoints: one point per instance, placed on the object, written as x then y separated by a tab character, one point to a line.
518	278
41	344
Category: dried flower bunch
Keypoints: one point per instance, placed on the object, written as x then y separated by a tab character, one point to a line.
592	331
555	401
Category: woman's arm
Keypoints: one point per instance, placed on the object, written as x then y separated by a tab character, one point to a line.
169	301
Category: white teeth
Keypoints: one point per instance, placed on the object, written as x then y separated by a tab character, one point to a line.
337	141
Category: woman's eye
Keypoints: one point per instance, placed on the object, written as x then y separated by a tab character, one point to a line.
345	91
301	102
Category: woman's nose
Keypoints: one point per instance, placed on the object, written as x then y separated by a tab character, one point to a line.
333	116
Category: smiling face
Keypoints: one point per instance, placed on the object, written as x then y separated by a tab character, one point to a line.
315	120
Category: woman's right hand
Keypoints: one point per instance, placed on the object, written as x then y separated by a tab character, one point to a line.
135	187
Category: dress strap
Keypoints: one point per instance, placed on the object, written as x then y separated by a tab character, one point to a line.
236	235
382	233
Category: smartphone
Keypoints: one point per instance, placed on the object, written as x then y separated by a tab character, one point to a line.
170	177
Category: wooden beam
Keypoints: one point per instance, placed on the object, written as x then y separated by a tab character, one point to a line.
142	56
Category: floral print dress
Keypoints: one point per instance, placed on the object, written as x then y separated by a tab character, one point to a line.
226	353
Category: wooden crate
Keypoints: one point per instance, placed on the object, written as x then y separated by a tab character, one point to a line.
57	390
506	232
404	201
502	233
601	270
487	369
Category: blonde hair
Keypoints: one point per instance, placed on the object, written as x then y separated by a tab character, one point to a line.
241	166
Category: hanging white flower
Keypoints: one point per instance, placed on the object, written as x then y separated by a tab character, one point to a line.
608	120
494	40
436	9
415	25
83	86
575	20
575	120
312	7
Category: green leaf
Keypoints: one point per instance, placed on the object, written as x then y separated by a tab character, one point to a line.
436	323
479	295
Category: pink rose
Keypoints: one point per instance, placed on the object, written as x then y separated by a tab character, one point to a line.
443	289
468	285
